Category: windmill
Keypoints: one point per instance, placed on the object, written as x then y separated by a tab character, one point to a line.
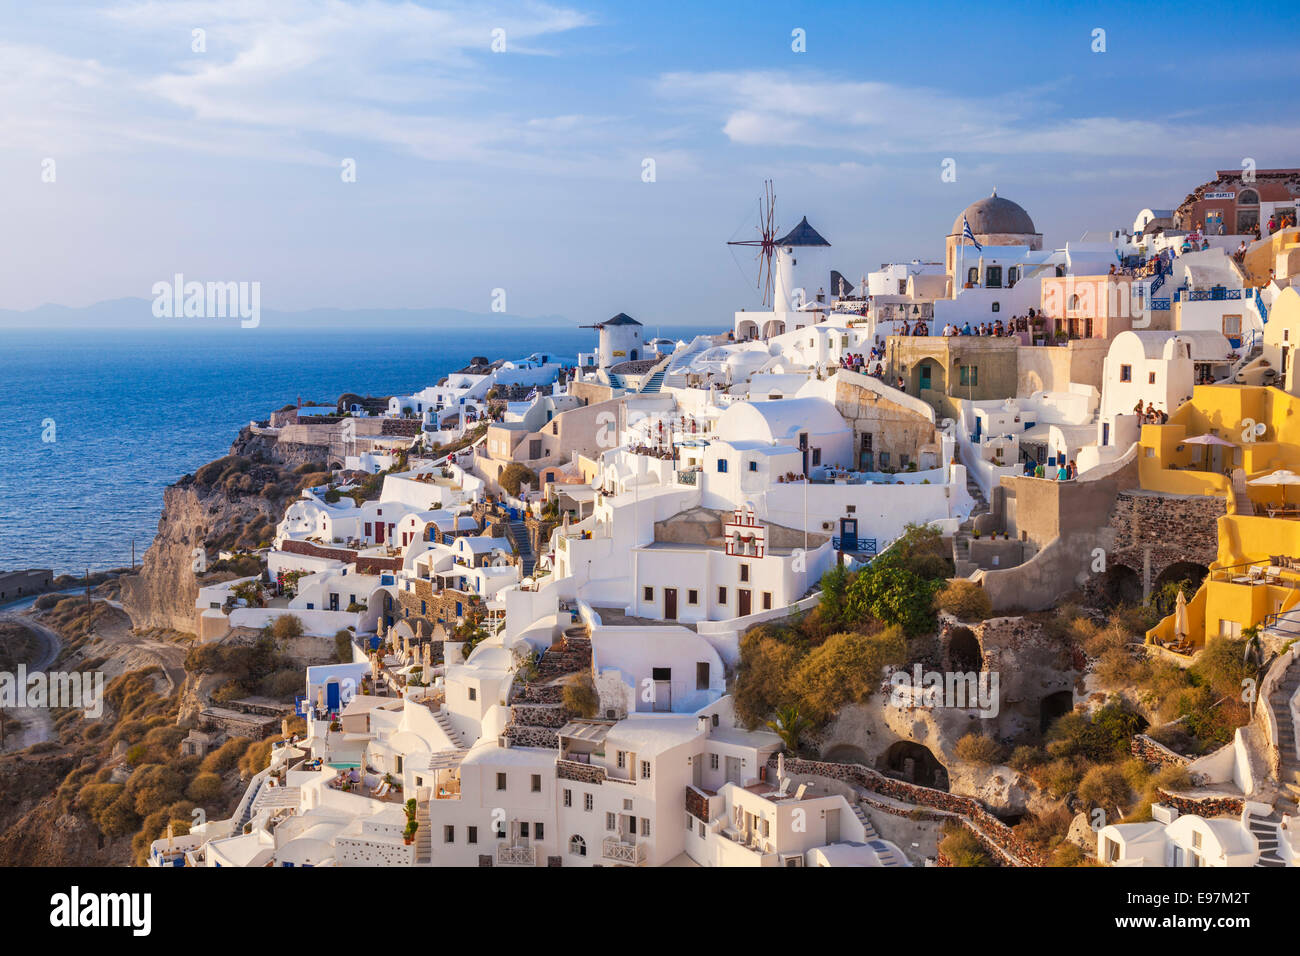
766	243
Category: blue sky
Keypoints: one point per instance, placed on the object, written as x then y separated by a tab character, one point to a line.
522	170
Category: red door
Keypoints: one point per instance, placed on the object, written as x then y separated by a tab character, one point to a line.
379	532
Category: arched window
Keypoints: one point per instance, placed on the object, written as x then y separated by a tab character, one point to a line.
1074	301
577	845
1248	197
973	275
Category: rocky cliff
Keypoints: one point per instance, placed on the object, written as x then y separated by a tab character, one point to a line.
234	502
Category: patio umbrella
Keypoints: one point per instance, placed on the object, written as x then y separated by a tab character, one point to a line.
1180	617
1280	478
1208	441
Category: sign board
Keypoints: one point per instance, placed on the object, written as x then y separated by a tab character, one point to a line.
1220	195
618	354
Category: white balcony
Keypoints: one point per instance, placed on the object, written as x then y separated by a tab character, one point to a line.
616	851
516	856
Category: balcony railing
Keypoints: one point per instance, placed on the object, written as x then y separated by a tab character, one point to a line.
517	855
615	850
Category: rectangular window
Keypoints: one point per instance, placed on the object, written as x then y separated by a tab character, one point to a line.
537	783
690	823
713	761
611	821
645	826
1126	373
471	834
702	675
622	759
501	781
753	466
649	593
767	600
568	798
523	829
816	456
722	465
1232	326
1151	378
448	834
645	769
970	375
587	803
473	693
722	595
539	830
744	573
692	597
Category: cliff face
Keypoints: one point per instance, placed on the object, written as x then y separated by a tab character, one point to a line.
234	502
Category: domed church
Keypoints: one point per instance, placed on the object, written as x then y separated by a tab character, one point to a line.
995	222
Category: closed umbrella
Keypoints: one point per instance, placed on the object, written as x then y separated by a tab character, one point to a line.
1180	617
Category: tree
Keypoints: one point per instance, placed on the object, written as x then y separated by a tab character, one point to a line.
763	675
788	725
845	669
895	595
515	475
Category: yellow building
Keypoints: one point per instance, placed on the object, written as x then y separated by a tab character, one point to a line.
1259	535
1279	252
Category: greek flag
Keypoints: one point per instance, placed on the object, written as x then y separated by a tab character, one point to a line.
967	234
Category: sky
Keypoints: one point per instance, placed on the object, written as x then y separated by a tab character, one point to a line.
522	169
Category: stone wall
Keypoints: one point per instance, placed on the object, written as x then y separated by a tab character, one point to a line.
1206	807
1156	753
542	737
1173	528
988	826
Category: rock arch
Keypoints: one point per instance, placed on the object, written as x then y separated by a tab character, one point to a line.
914	763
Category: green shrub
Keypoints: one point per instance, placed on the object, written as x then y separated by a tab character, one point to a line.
962	848
845	669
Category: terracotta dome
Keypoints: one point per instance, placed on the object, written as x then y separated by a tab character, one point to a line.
995	216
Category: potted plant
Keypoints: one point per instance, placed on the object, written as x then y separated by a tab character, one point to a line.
408	835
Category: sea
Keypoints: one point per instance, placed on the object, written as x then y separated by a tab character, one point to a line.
94	424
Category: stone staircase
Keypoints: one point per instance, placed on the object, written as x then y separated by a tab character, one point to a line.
962	564
886	854
865	821
653	384
570	654
1265	832
1240	493
517	532
444	722
423	833
1288	775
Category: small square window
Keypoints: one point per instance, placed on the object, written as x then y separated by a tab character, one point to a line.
692	596
753	466
722	465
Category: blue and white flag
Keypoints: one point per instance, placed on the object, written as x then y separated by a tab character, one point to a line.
967	234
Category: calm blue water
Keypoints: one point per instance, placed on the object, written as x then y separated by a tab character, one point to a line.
135	410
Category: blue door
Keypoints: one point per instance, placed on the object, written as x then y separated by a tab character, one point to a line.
332	696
